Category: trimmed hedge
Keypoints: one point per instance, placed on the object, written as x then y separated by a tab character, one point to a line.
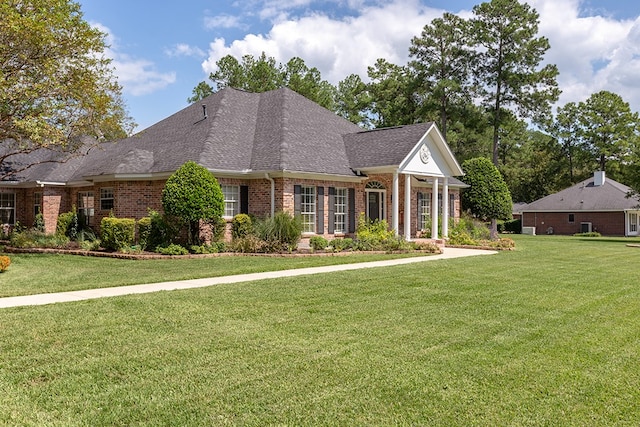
118	233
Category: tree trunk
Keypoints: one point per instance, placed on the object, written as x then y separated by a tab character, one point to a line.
494	229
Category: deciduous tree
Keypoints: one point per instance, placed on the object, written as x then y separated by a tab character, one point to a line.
56	83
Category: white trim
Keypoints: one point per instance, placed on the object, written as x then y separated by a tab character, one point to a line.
394	204
445	207
407	207
434	209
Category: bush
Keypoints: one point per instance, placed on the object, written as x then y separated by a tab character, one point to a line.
5	262
144	232
280	233
318	243
588	234
208	249
374	235
511	226
218	227
37	239
250	244
340	245
68	224
172	249
241	226
118	234
38	224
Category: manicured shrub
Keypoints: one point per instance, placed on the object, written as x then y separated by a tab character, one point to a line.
318	243
241	226
172	249
192	194
144	232
588	234
512	226
118	234
5	262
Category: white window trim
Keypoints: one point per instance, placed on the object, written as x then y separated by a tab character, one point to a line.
234	202
340	217
11	209
309	217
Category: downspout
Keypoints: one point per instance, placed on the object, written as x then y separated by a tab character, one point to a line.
273	193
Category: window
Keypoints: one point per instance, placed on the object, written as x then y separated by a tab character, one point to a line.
633	222
7	208
424	210
231	195
572	218
106	199
85	207
340	206
37	204
308	209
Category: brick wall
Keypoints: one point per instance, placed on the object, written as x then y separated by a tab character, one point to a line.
605	223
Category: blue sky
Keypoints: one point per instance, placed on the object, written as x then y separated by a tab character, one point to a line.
162	49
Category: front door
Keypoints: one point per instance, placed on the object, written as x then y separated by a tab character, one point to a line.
375	204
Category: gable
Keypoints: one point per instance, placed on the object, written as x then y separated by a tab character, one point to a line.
430	157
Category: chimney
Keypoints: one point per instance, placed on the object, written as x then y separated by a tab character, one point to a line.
204	110
598	178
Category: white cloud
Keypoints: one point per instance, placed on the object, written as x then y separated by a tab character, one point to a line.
337	47
593	53
222	22
136	76
183	49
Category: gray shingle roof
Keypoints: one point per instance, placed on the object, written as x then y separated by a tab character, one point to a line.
383	147
271	131
585	196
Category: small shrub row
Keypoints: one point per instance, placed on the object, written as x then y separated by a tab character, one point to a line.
588	234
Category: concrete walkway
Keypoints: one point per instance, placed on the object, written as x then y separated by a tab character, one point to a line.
42	299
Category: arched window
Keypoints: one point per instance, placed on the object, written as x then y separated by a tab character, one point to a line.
374	185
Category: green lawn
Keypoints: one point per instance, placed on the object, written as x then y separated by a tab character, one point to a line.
37	273
547	334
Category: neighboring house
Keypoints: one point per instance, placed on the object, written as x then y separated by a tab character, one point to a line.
269	151
595	204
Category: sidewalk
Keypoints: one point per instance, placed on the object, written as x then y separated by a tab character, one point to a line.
42	299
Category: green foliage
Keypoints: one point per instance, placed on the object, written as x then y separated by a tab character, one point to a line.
510	226
38	239
218	227
57	84
376	236
488	196
340	245
118	234
214	248
318	243
588	234
39	222
192	194
172	249
468	231
161	232
144	232
248	244
280	233
68	224
241	226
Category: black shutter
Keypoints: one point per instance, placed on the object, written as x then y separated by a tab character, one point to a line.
351	214
244	199
297	199
320	210
332	210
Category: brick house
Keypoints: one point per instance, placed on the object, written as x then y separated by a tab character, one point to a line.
595	204
269	151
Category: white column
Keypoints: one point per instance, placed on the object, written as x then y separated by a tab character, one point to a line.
407	207
434	209
394	204
445	207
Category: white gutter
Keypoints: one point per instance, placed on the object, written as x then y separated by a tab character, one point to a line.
273	193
